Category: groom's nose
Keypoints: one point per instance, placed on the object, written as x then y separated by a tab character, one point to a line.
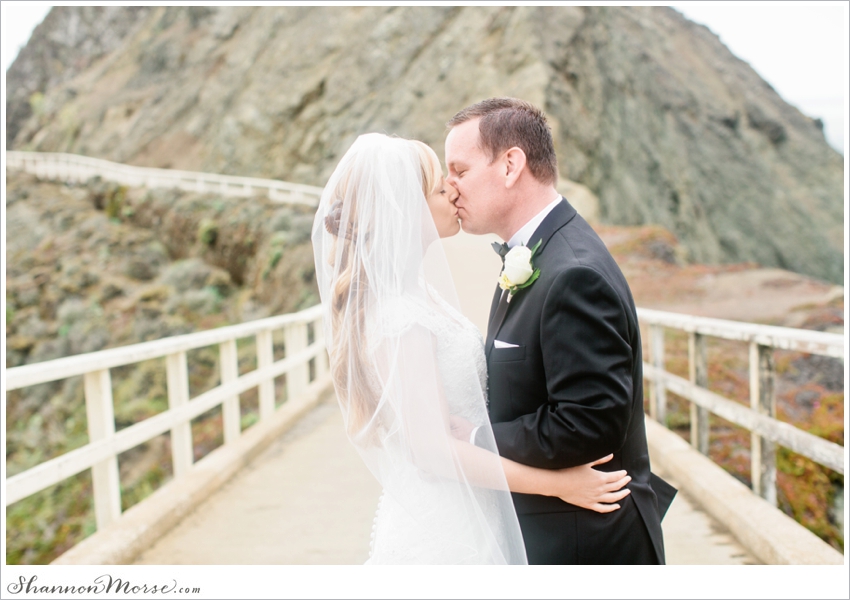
454	194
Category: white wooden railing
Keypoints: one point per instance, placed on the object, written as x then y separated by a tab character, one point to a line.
73	167
105	444
759	418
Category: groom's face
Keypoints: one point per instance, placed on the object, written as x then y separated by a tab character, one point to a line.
480	187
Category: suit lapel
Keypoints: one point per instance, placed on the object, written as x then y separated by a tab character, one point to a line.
497	294
496	320
562	214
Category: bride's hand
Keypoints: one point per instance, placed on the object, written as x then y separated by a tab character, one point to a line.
460	427
595	490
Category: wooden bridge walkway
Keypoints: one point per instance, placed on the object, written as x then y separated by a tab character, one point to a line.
308	499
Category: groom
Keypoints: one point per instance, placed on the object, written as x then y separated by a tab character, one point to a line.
563	353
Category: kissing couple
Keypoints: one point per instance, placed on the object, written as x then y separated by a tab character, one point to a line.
526	448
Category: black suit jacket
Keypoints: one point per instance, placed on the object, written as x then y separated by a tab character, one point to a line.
572	390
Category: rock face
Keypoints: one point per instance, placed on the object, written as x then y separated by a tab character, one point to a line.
649	111
63	45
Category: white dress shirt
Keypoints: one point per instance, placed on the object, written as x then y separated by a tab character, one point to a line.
526	231
522	237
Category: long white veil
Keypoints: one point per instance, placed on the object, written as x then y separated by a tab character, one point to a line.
381	271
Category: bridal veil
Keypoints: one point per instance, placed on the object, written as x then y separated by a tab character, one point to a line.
380	267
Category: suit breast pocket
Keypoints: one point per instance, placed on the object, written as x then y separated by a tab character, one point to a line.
507	354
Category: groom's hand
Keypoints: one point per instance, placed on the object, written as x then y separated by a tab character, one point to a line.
461	428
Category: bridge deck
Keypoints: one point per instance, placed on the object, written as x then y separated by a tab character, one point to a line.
310	500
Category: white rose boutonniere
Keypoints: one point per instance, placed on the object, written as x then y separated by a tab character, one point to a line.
519	271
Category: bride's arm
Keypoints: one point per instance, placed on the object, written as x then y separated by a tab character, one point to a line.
416	417
582	486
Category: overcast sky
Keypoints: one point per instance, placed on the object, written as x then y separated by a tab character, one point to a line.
800	48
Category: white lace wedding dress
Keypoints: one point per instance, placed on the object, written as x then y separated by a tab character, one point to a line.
398	537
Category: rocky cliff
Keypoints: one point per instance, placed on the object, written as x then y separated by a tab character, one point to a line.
649	111
62	46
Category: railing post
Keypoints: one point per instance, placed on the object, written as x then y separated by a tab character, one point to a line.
297	378
657	391
229	360
265	358
322	357
100	415
763	400
698	367
177	375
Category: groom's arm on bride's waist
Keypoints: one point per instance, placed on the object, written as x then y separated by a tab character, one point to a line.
588	362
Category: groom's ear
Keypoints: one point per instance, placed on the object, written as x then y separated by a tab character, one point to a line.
514	162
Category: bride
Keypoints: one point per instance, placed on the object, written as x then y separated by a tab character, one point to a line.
404	361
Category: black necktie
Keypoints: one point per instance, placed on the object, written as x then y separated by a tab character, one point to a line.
501	250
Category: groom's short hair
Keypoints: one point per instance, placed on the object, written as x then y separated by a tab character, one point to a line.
509	122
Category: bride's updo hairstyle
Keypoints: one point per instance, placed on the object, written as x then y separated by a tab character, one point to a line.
357	382
432	174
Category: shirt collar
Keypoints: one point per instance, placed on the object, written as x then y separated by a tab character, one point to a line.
526	231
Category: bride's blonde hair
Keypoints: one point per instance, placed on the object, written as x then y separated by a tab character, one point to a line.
356	382
432	172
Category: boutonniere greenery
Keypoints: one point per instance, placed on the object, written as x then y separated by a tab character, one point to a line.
519	272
